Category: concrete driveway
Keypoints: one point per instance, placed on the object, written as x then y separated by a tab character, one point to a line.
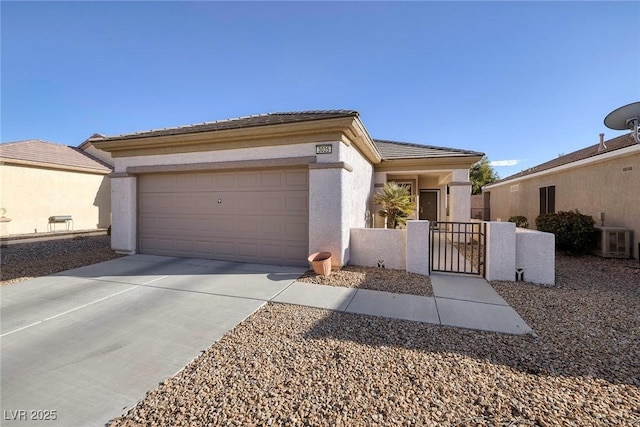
81	346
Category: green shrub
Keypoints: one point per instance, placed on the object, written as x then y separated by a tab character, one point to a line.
521	221
574	231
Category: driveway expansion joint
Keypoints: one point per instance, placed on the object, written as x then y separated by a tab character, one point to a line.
473	301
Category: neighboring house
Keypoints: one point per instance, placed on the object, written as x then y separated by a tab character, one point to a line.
478	210
602	181
40	179
270	188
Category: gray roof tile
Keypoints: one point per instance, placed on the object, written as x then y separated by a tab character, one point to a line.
394	150
49	153
390	150
614	144
236	123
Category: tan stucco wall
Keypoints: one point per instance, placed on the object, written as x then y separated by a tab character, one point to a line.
591	188
31	195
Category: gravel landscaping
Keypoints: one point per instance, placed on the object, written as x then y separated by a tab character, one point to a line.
377	279
22	261
291	365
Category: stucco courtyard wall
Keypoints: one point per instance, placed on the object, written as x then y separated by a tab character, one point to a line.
535	256
400	249
510	250
370	246
30	195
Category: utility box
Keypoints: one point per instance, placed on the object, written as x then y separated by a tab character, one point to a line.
613	242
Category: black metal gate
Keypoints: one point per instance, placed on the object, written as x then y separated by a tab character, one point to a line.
458	247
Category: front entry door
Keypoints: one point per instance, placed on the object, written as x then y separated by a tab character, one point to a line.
428	205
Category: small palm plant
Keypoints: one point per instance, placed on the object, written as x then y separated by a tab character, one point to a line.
396	204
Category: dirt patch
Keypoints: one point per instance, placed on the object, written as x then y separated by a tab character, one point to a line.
373	278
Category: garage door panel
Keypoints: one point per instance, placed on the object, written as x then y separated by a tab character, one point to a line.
294	229
272	179
162	183
248	180
155	202
262	217
203	182
225	180
298	179
296	203
272	204
183	246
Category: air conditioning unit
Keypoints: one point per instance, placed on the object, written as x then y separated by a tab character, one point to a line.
613	242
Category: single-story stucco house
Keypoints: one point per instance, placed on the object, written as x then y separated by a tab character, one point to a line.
602	180
40	179
270	188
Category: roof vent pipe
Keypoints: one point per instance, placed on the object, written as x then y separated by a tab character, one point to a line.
602	145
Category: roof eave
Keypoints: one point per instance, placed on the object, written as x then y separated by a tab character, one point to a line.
57	166
315	129
454	162
578	163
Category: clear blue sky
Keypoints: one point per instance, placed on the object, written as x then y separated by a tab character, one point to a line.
520	81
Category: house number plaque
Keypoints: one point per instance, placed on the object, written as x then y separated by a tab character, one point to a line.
324	148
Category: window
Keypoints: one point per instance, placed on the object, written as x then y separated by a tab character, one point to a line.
547	199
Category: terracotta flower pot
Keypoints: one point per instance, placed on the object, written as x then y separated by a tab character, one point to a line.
321	263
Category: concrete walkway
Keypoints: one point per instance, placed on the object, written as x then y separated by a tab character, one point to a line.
90	342
459	301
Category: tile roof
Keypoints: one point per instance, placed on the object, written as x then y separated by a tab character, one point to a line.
35	151
614	144
236	123
394	150
390	150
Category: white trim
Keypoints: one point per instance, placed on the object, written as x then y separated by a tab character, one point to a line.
589	160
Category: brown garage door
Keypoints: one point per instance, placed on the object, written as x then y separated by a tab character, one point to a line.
246	216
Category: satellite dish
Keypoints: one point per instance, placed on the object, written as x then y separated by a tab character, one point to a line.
623	118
